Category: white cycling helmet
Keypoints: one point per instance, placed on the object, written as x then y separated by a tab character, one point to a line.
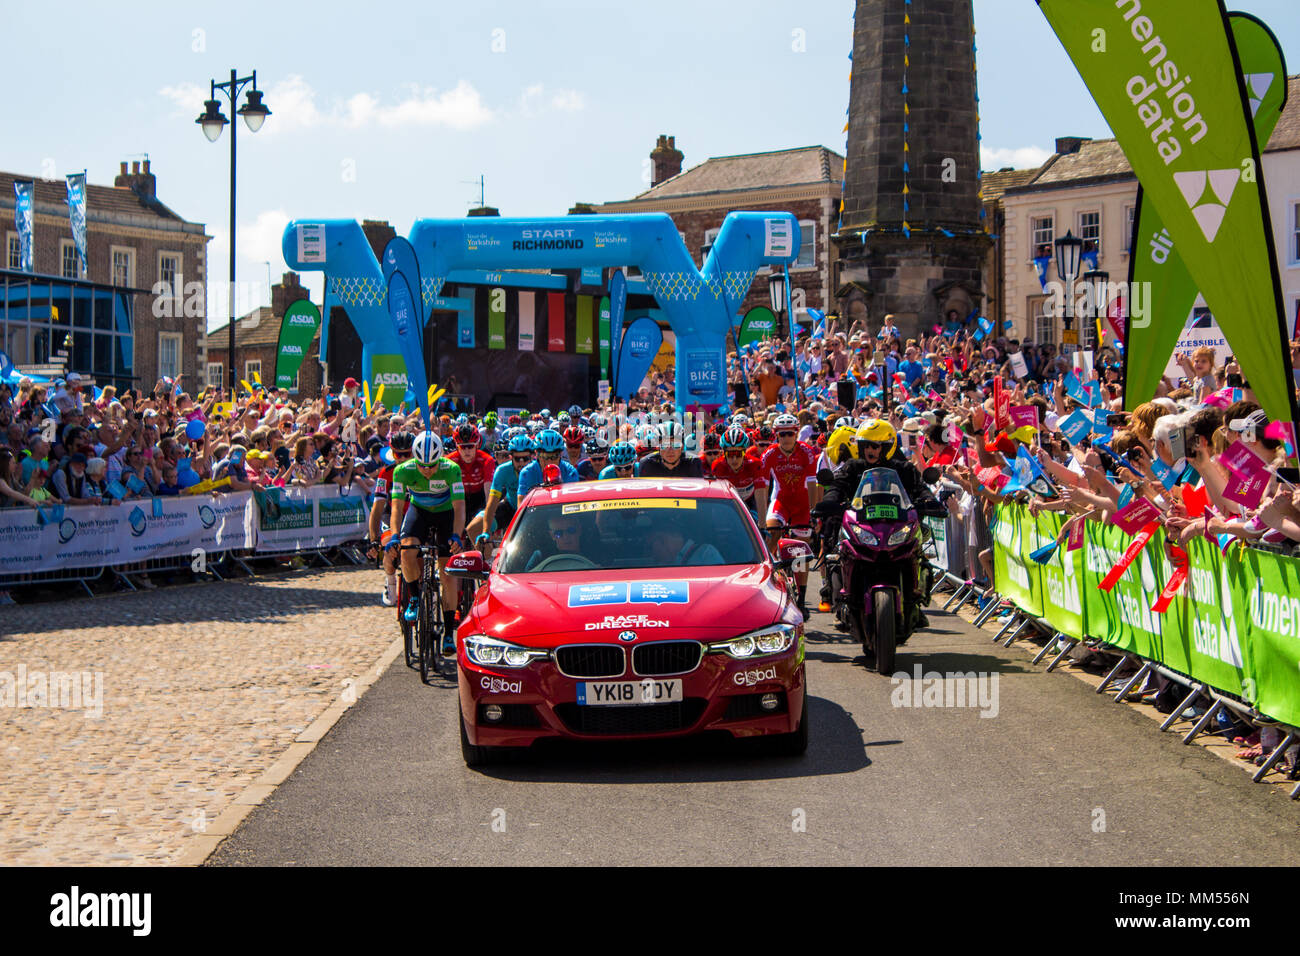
785	421
427	448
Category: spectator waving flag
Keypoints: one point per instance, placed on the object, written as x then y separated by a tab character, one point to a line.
984	327
819	323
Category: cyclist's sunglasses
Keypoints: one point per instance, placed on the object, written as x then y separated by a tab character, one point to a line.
598	456
549	455
624	469
712	452
734	453
468	445
786	434
522	459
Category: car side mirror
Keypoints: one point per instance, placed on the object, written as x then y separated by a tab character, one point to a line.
793	553
467	564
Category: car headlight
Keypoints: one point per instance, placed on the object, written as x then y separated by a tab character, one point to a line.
767	640
490	652
899	536
863	536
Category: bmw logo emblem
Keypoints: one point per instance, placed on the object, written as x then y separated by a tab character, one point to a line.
627	636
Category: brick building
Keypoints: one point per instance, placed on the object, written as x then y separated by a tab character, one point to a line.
803	181
134	243
257	341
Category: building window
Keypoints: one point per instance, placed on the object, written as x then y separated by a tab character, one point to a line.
807	245
1044	234
169	270
1295	234
710	237
252	366
68	257
1090	232
15	257
123	267
1044	323
1129	212
214	376
169	354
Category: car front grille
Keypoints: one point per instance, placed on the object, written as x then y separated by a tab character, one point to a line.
590	660
634	719
664	658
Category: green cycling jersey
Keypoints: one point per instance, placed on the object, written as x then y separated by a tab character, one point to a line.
437	492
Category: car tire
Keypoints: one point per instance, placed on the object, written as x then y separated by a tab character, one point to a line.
793	744
474	755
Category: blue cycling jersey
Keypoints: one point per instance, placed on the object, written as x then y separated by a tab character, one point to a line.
531	476
505	482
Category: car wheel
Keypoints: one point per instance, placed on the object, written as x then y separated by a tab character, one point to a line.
473	755
790	745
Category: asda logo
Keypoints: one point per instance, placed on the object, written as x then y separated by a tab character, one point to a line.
301	319
291	349
390	378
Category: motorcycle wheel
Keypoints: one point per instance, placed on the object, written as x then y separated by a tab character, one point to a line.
884	636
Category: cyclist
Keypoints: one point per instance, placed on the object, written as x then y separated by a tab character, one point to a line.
431	483
742	471
622	461
670	460
503	497
550	451
791	467
489	433
760	440
596	460
379	515
500	450
575	443
712	449
476	467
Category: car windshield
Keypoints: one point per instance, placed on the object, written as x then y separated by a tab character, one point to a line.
630	533
880	486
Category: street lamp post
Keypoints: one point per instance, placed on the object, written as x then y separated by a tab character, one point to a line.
778	291
1068	250
1097	283
212	121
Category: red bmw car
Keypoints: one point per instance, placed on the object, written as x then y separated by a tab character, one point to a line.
631	609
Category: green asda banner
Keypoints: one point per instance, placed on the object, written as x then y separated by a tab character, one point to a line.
297	329
1194	151
604	336
390	372
1168	291
1234	625
759	323
582	326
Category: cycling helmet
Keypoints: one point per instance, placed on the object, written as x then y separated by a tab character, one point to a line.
765	434
671	433
514	420
402	441
544	414
427	448
520	444
575	411
550	441
588	432
843	421
785	421
881	431
562	418
573	435
500	446
490	419
462	418
466	434
690	444
735	437
597	446
622	454
712	442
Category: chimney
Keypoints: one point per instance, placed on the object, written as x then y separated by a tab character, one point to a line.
139	181
1070	144
667	159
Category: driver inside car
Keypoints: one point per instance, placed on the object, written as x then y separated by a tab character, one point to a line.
565	534
670	547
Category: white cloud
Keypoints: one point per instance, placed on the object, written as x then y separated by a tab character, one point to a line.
1020	157
293	105
259	243
535	100
568	101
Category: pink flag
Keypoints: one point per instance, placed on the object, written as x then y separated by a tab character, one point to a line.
1076	536
1248	475
1022	415
1136	515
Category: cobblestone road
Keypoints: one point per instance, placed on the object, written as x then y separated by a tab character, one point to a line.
203	687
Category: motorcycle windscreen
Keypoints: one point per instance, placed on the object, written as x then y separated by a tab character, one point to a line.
881	496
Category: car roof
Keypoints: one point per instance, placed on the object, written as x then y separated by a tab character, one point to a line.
611	488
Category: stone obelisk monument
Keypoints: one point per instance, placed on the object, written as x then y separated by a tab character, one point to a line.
911	240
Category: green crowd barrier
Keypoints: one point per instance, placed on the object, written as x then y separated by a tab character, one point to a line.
1233	626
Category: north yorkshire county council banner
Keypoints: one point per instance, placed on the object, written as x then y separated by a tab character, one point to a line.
1155	266
300	519
1165	75
1234	625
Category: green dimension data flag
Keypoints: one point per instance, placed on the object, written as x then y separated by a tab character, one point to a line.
1165	75
1155	266
297	329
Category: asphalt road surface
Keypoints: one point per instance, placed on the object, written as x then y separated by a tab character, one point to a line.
1059	776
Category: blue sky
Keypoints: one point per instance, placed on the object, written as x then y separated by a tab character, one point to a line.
385	111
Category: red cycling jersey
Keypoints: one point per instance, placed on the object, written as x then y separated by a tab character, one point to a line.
790	473
477	472
384	482
745	480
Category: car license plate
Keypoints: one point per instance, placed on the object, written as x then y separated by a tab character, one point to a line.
624	692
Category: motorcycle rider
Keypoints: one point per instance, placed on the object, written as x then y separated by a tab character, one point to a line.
877	443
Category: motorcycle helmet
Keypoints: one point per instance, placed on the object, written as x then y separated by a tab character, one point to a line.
879	430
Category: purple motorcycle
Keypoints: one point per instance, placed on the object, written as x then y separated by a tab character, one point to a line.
879	547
